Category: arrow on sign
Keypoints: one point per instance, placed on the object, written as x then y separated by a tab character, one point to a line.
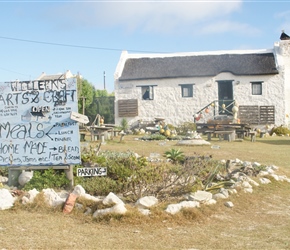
49	131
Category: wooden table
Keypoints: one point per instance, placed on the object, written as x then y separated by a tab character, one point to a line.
227	130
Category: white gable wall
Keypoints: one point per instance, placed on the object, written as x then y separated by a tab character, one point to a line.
282	50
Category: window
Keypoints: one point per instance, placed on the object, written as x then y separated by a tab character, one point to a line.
147	92
187	90
256	88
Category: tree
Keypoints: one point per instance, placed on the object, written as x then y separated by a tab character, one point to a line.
86	95
105	105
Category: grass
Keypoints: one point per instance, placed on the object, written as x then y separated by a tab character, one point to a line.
257	221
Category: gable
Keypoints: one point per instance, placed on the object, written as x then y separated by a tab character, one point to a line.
198	66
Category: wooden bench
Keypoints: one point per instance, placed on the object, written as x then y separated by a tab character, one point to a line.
253	135
208	133
226	135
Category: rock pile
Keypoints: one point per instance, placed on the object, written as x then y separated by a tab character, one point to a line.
239	175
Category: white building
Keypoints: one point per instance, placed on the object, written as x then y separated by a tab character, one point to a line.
178	86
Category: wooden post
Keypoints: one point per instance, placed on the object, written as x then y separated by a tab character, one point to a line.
70	176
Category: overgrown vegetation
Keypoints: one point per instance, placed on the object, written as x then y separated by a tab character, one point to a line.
124	125
152	137
280	131
3	171
48	178
183	128
134	176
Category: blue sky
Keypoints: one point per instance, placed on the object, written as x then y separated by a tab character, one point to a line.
87	37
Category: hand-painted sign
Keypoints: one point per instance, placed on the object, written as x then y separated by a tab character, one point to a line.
79	117
98	171
35	124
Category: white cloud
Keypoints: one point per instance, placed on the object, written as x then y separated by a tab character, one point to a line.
229	26
149	17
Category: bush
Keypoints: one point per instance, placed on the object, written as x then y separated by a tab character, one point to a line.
280	131
187	126
175	155
98	185
4	171
48	178
157	137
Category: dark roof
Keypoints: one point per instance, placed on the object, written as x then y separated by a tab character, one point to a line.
284	36
198	66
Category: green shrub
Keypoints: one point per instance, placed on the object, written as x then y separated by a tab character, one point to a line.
48	178
280	131
157	137
186	126
124	125
175	155
4	171
98	185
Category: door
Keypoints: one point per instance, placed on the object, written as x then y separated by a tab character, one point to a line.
225	97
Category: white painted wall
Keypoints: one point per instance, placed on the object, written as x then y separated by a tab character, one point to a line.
169	104
282	50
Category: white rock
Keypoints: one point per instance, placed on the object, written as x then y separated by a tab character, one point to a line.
263	173
256	164
90	197
146	202
25	177
3	179
247	164
232	191
273	167
225	192
175	208
81	192
265	181
276	177
284	178
210	202
6	199
248	190
78	190
112	199
117	209
251	181
88	211
223	161
229	204
63	194
189	204
270	171
52	198
246	184
238	160
219	196
200	196
144	211
32	194
25	200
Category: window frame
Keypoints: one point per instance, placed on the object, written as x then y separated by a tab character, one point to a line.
257	88
143	91
189	87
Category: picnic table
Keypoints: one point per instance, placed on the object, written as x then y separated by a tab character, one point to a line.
223	131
